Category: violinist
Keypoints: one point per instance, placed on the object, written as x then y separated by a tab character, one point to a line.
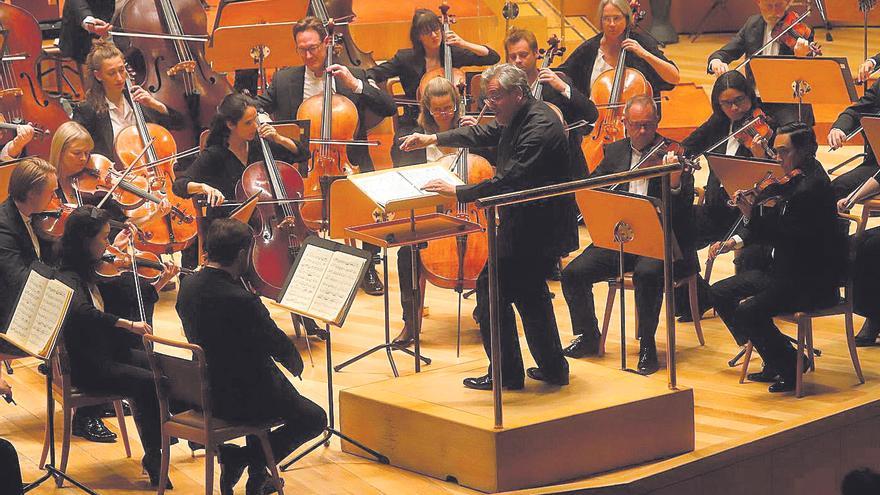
597	264
293	85
82	22
809	256
866	269
846	123
24	134
107	108
98	342
601	52
426	54
755	33
532	152
522	51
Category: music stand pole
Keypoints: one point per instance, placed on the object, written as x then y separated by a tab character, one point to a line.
623	233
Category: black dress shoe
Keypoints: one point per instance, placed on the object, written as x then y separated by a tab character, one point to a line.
782	385
260	483
766	375
151	462
648	364
110	411
232	464
43	368
92	429
193	447
582	346
867	335
687	318
371	283
405	337
538	374
485	383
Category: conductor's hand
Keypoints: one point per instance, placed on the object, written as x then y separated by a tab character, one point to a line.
718	67
836	138
440	187
416	141
294	364
865	69
344	76
720	248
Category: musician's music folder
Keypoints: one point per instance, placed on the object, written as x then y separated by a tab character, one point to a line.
39	313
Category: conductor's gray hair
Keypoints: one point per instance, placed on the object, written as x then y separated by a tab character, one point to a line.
508	76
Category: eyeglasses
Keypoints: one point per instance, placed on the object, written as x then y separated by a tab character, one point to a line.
495	97
612	19
738	101
642	125
443	112
311	50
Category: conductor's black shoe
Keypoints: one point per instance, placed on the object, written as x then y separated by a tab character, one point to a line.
92	429
766	375
648	364
232	464
538	374
582	346
485	383
371	283
867	335
782	385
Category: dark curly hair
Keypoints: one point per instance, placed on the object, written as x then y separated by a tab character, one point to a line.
81	228
230	111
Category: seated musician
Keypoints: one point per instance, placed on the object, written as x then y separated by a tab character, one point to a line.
233	326
866	269
756	32
809	257
426	54
98	342
294	85
847	122
532	152
15	147
82	22
107	108
601	52
597	264
867	68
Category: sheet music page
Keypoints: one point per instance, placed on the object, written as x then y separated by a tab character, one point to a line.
27	309
418	177
339	280
306	279
50	315
387	187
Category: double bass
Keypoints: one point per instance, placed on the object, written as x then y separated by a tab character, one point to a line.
278	228
173	70
21	99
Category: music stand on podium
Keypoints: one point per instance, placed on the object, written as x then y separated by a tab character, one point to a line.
629	224
800	80
322	284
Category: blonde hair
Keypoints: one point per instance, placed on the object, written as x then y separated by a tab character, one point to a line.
30	174
64	136
436	88
95	93
622	6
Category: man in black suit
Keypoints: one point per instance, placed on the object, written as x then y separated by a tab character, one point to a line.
848	121
754	34
83	20
293	85
532	152
232	325
809	259
596	264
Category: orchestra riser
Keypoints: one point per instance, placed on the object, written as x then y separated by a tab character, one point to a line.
603	420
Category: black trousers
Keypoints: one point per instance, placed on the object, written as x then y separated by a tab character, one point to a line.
10	470
597	264
522	283
404	278
132	379
849	181
866	274
747	303
303	420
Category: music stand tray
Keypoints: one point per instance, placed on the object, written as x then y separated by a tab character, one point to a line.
801	80
740	174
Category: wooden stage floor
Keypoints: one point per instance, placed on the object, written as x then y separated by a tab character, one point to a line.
730	418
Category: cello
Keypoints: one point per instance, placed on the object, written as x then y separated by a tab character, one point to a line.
21	99
553	50
334	118
453	75
174	70
278	230
608	92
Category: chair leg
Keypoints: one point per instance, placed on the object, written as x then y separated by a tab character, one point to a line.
270	461
609	307
802	323
65	443
164	464
209	471
851	343
745	366
123	429
695	308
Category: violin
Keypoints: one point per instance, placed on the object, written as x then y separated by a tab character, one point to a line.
21	99
757	126
610	90
792	28
768	191
655	154
39	132
116	262
547	55
452	74
99	175
49	225
333	117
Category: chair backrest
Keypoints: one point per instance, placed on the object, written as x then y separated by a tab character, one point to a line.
178	379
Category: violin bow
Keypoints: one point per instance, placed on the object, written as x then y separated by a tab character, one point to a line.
137	280
759	51
124	175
